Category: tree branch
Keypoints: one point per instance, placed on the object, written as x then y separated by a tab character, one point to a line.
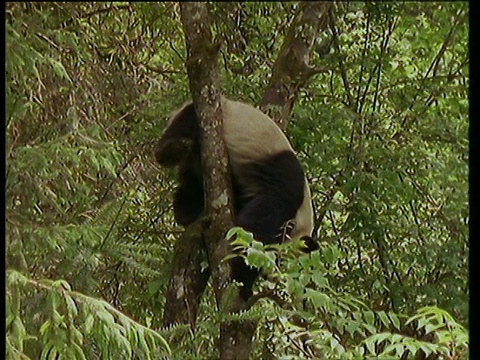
95	12
292	69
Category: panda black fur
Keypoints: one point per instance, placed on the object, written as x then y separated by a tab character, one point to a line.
268	182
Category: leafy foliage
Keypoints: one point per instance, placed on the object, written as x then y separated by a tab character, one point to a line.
67	321
387	180
383	136
311	319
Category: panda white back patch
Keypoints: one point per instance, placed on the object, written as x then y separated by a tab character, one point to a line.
250	134
304	216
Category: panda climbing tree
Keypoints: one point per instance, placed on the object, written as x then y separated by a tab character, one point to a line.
269	185
187	280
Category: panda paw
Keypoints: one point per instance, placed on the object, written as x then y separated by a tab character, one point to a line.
310	244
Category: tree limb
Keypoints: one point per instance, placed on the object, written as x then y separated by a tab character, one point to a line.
292	69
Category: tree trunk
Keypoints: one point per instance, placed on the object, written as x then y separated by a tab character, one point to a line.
235	338
187	280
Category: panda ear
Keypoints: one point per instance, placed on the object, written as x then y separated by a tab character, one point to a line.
171	152
310	244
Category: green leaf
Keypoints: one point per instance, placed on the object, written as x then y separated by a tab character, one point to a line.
369	317
45	327
60	70
384	318
394	319
318	299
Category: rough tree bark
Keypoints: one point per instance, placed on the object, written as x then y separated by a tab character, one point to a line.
235	340
187	279
292	69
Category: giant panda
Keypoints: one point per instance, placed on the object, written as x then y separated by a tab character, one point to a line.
269	185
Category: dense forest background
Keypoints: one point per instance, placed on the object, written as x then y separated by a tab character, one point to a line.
382	134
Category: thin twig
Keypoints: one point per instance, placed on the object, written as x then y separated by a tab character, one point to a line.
343	71
93	13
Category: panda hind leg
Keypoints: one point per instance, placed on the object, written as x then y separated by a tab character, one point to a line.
263	216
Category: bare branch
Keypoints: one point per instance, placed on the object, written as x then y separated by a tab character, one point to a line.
292	69
343	71
95	12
